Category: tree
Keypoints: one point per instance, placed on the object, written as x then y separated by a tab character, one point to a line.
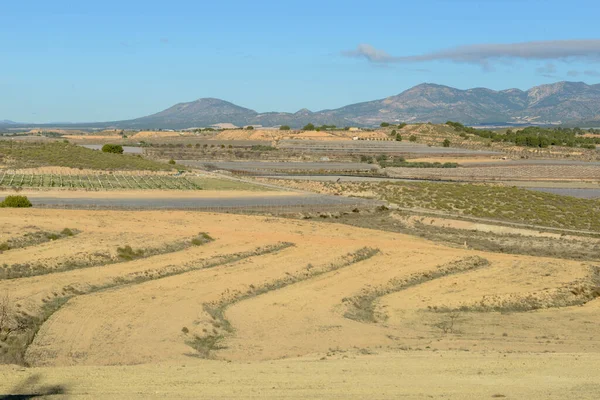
249	128
309	127
384	124
401	125
284	128
446	143
412	138
112	148
393	133
398	138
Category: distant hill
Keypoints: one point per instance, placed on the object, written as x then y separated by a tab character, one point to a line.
6	122
558	103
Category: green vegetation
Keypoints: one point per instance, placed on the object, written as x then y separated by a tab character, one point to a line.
486	201
533	136
412	138
309	127
202	238
262	147
384	124
172	162
59	154
112	148
110	181
284	128
16	202
249	128
446	143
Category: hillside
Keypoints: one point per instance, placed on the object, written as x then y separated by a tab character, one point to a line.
558	103
562	102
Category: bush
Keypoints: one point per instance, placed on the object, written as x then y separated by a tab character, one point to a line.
284	128
446	143
16	202
112	148
172	162
398	138
412	138
249	128
384	124
309	127
67	232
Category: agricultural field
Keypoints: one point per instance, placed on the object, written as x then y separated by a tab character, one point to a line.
193	290
97	181
493	202
19	154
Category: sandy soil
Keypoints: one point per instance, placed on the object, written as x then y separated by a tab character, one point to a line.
296	336
406	375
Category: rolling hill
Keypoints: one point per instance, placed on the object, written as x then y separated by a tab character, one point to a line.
558	103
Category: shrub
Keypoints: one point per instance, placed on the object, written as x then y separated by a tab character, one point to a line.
249	128
309	127
384	124
67	232
412	138
112	148
16	202
284	128
398	138
172	162
446	143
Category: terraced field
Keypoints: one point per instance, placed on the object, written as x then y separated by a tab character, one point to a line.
97	181
153	287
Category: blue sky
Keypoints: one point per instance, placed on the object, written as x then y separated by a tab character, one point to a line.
111	60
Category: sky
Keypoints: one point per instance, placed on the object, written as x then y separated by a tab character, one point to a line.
85	61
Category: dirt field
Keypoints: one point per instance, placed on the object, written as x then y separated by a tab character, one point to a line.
323	302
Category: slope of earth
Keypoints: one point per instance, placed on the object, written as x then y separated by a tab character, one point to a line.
265	288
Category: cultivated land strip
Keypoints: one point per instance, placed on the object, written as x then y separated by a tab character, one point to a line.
576	293
126	253
35	238
204	345
361	307
13	347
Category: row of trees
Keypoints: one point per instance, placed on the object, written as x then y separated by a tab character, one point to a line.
532	136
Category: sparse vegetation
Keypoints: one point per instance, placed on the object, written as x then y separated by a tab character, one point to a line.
361	307
216	310
35	238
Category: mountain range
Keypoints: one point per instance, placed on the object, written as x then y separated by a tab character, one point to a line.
558	103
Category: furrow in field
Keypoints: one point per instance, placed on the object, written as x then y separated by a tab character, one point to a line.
205	344
32	324
361	307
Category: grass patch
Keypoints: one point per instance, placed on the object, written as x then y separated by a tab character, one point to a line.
60	154
35	238
361	307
